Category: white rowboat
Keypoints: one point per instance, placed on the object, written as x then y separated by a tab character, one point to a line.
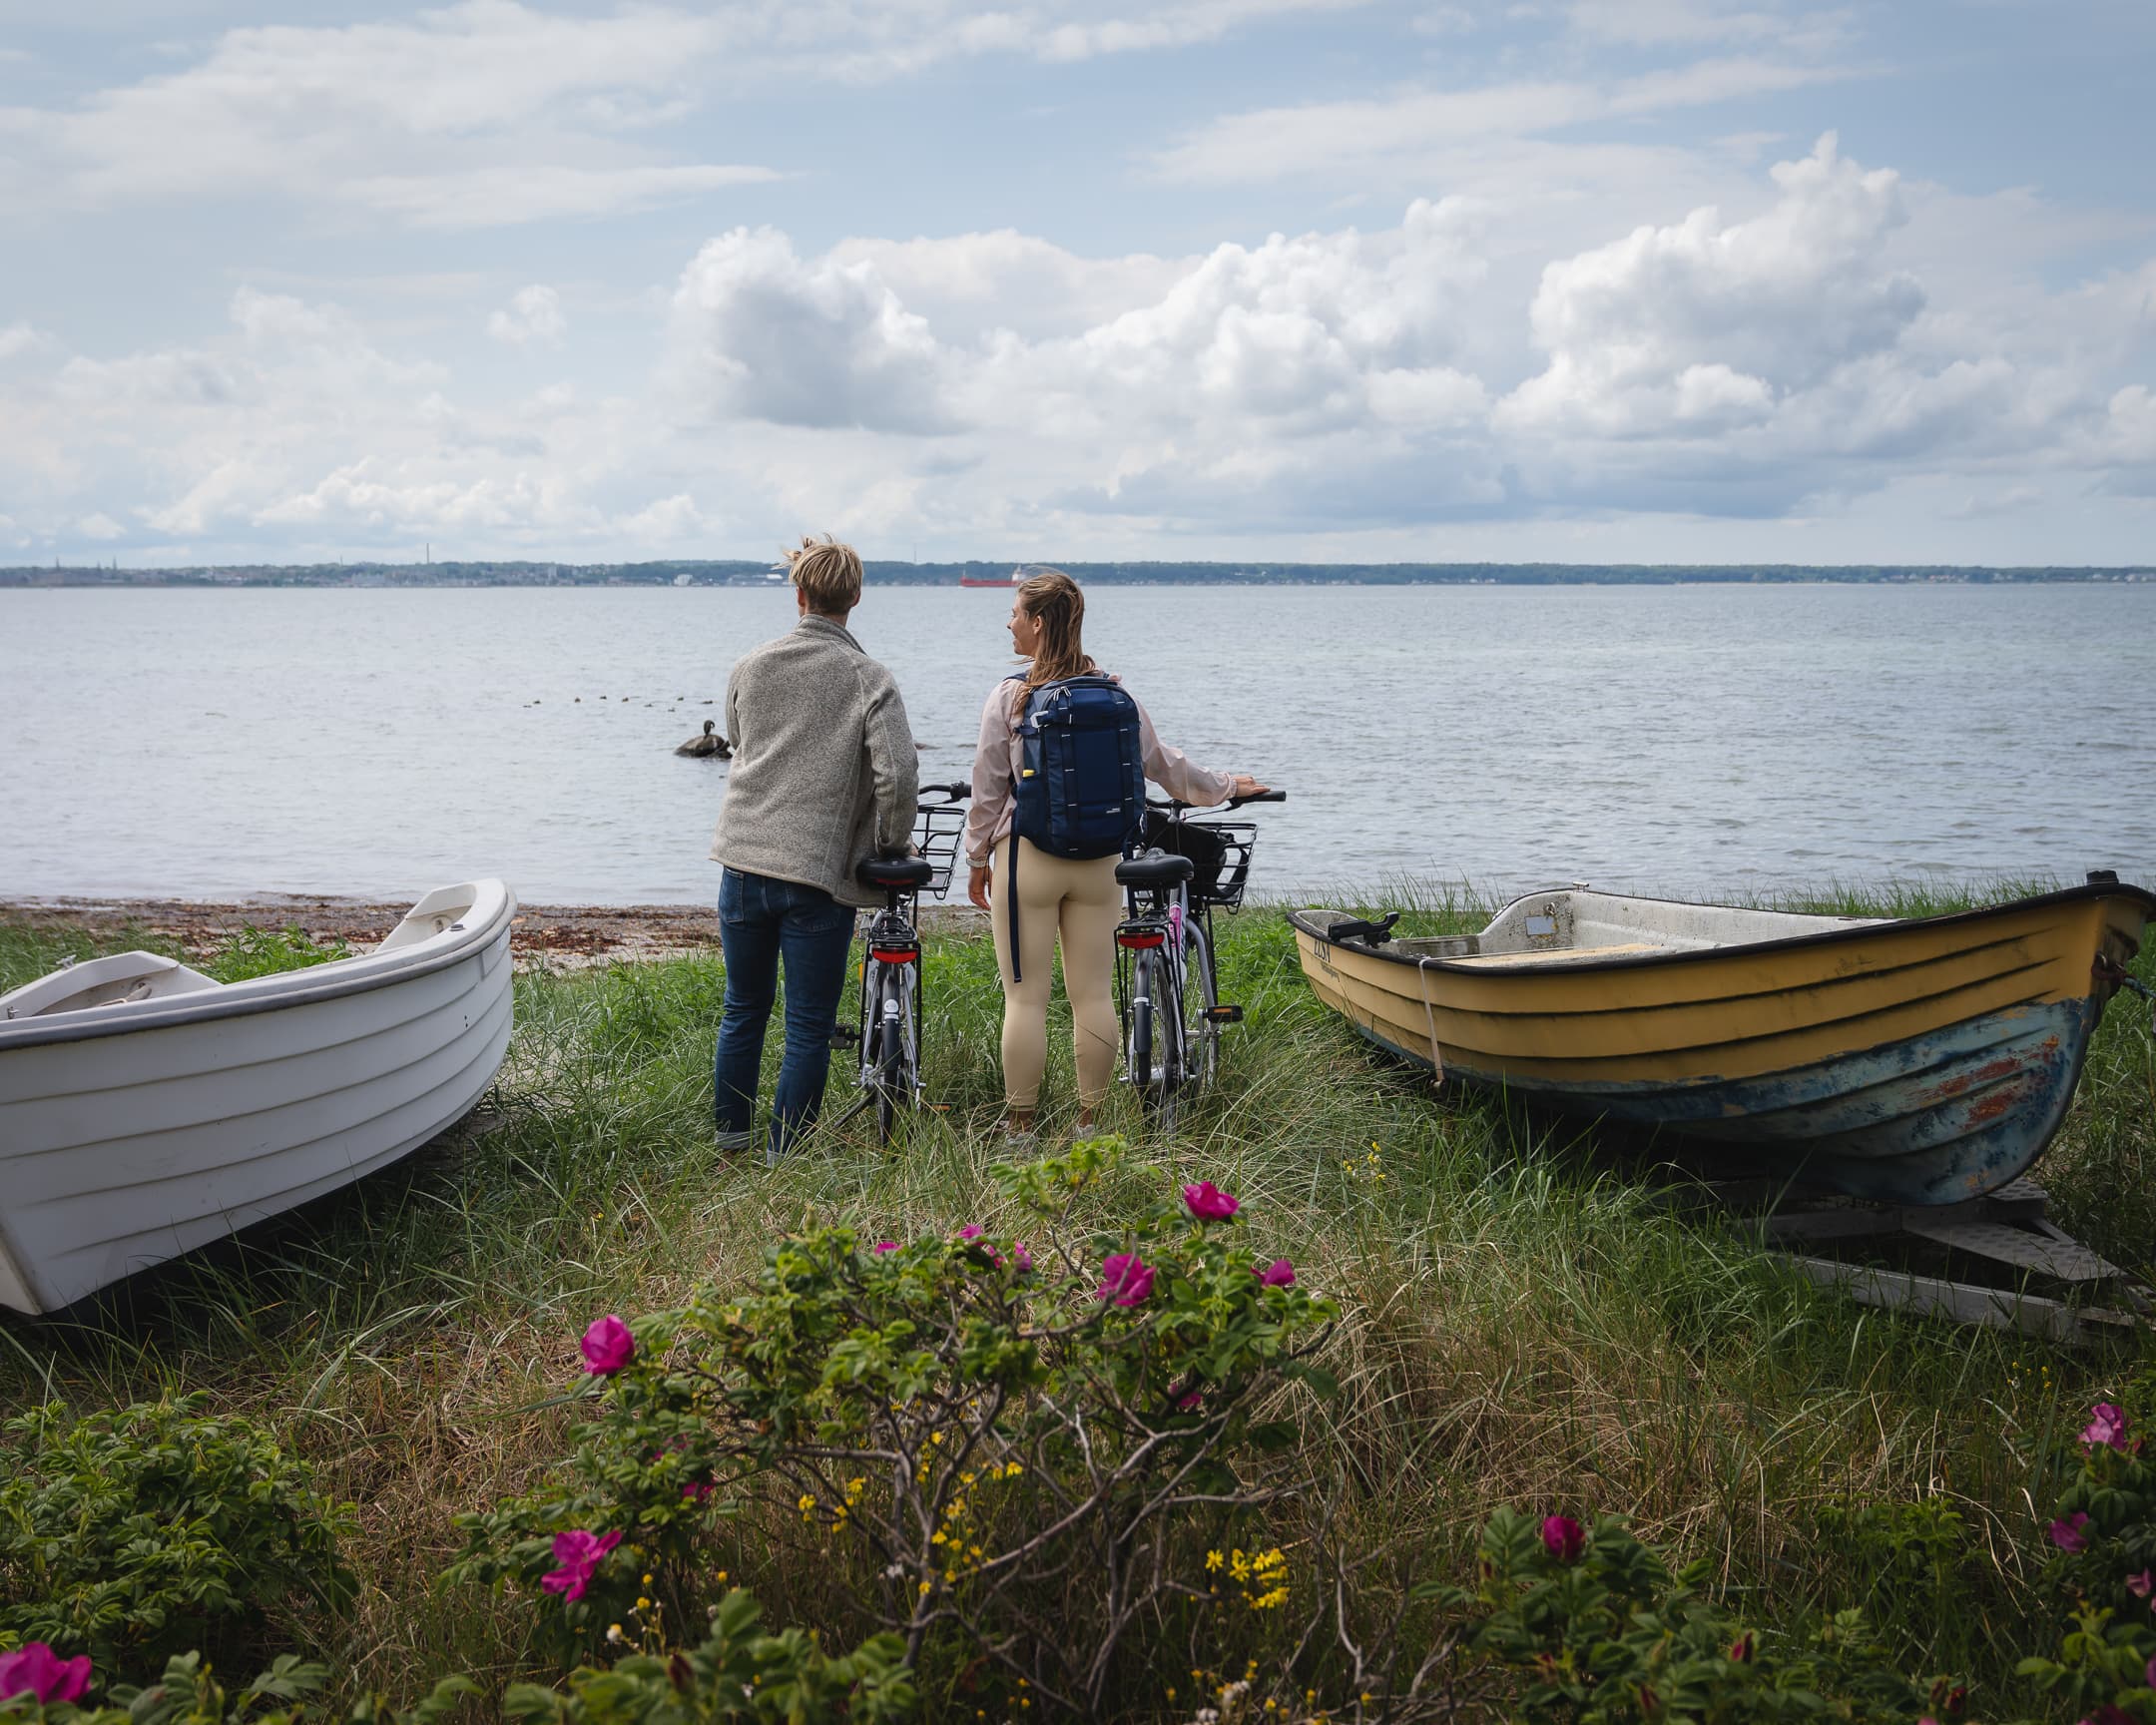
146	1109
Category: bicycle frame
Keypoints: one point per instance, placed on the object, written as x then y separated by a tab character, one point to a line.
1166	963
888	1028
1150	978
891	993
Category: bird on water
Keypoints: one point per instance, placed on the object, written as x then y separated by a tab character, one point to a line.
710	743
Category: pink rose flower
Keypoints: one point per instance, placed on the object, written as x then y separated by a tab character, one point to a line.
886	1246
2066	1534
971	1231
2106	1428
1564	1538
1209	1203
608	1346
1126	1278
1190	1399
1020	1258
579	1553
1277	1273
2143	1584
35	1669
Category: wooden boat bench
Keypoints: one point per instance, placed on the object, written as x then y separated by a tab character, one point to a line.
1558	954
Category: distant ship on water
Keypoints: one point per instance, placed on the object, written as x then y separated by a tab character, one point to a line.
1010	581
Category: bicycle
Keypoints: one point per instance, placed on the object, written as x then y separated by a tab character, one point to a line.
888	1034
1167	987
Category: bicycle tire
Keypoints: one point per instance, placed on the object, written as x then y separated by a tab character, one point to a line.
892	1082
1164	1090
1137	1054
1201	993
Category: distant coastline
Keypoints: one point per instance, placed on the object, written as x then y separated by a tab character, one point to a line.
687	573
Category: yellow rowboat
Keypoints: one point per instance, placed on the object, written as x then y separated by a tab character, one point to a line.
1918	1061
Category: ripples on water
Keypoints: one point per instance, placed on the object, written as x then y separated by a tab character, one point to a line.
1728	739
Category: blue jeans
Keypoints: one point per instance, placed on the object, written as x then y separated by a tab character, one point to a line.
760	921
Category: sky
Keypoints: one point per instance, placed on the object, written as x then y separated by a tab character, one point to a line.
1588	280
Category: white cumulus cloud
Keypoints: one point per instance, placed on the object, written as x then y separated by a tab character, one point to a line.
532	316
1780	357
760	333
1711	323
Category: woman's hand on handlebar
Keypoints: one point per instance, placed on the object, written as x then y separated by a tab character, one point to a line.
1245	788
977	884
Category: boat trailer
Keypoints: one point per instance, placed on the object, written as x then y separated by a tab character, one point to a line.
2009	1229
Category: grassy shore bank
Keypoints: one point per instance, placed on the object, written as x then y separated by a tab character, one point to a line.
1525	1323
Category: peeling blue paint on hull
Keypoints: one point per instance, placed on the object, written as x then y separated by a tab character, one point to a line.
1930	1120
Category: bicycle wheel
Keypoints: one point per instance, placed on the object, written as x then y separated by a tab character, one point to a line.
1165	1069
1138	1050
1201	1031
893	1079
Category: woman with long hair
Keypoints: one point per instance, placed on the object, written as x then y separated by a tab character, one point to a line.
1061	902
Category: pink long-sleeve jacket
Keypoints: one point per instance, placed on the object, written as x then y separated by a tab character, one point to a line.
997	760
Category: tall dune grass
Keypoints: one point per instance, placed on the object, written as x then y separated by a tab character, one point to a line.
1528	1325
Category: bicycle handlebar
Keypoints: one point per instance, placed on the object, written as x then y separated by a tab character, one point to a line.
1231	802
957	790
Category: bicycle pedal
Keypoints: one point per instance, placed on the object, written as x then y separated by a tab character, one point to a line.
844	1034
1224	1014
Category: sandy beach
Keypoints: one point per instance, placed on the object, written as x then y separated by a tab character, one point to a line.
547	937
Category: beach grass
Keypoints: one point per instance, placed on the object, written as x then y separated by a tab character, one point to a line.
1529	1323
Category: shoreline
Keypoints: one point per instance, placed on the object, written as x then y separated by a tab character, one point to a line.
552	937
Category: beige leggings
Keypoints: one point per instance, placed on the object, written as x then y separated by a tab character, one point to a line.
1081	902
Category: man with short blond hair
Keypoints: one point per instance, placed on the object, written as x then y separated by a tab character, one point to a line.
824	778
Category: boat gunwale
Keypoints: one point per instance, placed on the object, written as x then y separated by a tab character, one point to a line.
283	990
1857	931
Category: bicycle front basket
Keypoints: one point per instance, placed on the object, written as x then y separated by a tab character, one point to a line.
1219	850
938	828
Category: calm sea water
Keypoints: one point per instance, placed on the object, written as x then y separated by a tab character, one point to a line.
205	743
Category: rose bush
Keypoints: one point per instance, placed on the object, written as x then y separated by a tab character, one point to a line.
138	1534
2104	1568
1600	1631
1007	1450
737	1675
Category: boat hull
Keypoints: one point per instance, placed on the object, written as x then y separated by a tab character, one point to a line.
123	1147
1916	1062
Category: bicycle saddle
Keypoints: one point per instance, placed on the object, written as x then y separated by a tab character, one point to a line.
1151	868
903	872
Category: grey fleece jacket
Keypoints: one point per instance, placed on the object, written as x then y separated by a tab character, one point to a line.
823	775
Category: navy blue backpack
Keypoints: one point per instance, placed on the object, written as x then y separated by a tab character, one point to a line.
1081	778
